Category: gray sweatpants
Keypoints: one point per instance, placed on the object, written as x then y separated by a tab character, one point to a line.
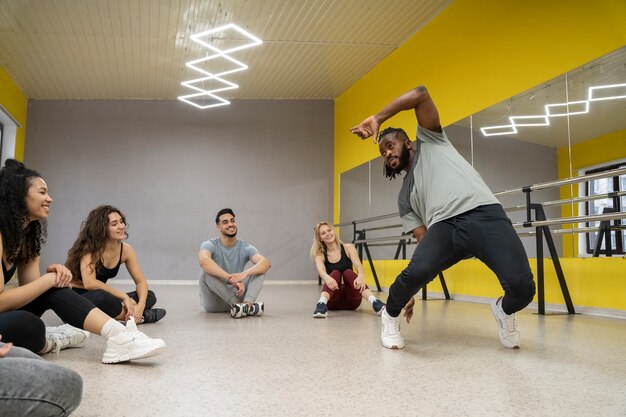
31	386
216	295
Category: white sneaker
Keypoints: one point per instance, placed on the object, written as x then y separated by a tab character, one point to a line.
131	344
390	335
507	326
65	336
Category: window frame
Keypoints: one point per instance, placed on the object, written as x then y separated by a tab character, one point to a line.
619	247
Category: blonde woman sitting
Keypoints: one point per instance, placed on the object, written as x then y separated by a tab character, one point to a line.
343	288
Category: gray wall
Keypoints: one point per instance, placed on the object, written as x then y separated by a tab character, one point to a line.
170	167
504	164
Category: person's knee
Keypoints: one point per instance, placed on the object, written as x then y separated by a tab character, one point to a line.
106	302
69	386
335	274
522	290
151	298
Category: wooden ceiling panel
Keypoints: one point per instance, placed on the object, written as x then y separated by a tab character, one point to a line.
137	49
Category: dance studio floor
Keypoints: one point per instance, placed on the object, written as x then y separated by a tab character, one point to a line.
288	364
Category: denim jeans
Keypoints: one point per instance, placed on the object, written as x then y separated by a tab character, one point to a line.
31	386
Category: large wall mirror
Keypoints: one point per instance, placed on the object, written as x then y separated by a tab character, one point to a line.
572	125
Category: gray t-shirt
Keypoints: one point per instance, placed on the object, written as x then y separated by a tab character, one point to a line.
440	184
231	260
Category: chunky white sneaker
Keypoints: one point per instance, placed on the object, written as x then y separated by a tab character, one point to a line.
390	335
131	344
65	336
507	326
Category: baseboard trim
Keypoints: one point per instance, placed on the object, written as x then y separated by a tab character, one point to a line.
157	282
550	308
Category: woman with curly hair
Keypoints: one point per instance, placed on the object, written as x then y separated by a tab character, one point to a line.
24	208
343	288
97	255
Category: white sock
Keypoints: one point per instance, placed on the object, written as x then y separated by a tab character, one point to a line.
371	299
323	300
47	347
111	328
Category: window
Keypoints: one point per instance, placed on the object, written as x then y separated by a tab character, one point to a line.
603	186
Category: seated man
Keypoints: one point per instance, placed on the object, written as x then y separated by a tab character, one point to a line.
225	284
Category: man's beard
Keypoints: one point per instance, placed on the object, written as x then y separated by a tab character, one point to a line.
405	157
231	234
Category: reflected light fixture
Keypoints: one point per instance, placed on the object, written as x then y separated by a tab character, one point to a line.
597	93
568	109
602	90
204	39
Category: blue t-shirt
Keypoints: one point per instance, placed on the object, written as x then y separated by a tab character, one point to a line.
233	259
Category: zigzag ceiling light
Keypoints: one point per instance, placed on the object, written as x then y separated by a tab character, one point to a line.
598	93
213	82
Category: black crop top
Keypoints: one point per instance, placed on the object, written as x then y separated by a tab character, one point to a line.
104	274
344	263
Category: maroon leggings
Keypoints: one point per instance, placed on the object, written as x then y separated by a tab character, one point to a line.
346	297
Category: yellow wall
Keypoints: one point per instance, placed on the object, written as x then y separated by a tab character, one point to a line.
472	55
14	102
592	282
596	151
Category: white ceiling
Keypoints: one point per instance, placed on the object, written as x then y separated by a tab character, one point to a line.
312	49
137	49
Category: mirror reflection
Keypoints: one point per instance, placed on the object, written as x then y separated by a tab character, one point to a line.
569	126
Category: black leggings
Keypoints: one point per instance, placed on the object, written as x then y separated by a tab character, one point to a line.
484	232
110	304
25	328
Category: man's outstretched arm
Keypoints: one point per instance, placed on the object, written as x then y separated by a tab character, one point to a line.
418	99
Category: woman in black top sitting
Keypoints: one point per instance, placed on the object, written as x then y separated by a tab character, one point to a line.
24	208
96	257
343	288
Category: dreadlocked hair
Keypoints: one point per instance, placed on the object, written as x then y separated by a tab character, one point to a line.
20	243
387	171
91	239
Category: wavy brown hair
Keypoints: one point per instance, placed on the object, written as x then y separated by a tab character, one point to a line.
91	239
20	243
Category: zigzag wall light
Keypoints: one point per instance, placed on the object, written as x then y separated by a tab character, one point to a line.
234	65
597	93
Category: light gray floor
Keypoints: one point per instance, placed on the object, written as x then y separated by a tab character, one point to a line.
289	364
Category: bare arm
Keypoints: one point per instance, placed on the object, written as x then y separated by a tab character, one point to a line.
211	267
321	271
359	282
354	257
261	266
27	291
418	99
132	265
91	283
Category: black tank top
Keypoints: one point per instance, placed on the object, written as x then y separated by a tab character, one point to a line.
344	263
103	274
8	273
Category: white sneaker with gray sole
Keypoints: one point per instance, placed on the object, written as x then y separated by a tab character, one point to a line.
131	344
507	325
